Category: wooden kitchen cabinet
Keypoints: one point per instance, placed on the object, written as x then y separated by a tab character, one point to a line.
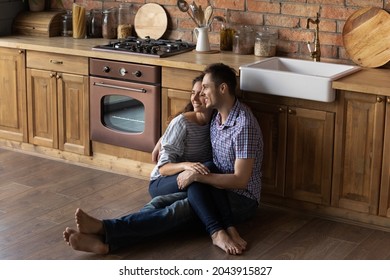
298	149
176	92
173	102
13	113
359	152
58	102
272	119
384	204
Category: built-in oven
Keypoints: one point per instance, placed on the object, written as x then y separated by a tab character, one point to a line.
125	104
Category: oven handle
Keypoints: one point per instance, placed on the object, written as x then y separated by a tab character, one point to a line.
101	84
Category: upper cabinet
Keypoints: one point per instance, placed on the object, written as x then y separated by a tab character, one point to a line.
13	116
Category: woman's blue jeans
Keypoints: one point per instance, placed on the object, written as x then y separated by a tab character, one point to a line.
162	214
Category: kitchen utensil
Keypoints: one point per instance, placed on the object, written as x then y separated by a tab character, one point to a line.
201	16
151	20
366	36
195	12
208	12
184	7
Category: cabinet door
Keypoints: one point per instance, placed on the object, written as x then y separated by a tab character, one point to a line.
173	101
273	123
42	108
73	113
13	112
384	206
358	155
309	155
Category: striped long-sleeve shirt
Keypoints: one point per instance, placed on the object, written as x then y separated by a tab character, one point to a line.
183	141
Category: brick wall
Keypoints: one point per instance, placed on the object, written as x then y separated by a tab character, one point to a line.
287	16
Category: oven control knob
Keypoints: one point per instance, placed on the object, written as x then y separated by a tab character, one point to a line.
137	73
106	69
122	71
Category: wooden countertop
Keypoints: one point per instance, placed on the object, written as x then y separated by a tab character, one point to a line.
371	81
83	47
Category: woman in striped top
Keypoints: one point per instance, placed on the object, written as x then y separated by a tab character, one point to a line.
185	145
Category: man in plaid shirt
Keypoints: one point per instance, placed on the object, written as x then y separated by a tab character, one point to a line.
237	145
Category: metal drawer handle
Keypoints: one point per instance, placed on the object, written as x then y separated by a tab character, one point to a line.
56	61
101	84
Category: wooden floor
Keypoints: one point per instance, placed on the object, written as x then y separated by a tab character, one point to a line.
38	197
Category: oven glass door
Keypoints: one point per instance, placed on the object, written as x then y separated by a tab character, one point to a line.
123	113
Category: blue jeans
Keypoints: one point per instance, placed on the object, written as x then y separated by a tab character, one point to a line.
165	214
162	214
210	204
164	185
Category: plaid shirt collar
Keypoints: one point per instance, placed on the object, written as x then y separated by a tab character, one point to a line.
231	120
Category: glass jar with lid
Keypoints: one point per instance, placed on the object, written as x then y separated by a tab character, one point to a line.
265	44
244	40
95	20
124	21
67	25
110	23
226	37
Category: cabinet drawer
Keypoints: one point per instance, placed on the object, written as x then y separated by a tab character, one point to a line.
57	62
178	78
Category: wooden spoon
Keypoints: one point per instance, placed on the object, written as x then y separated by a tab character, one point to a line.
208	12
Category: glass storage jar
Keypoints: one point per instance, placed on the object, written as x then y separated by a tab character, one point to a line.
79	21
110	23
226	37
67	25
265	43
124	21
95	20
244	40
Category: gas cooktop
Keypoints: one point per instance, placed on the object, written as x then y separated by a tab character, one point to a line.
147	47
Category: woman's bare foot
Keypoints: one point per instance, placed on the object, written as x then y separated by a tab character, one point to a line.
67	233
222	240
88	224
235	236
88	243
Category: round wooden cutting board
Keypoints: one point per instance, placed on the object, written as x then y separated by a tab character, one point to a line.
366	36
151	20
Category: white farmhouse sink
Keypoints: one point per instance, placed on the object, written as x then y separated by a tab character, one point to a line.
293	78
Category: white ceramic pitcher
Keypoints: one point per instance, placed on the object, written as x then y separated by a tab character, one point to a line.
202	39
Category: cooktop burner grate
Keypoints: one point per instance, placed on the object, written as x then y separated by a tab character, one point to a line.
147	46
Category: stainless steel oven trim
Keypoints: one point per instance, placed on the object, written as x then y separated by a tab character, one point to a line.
101	84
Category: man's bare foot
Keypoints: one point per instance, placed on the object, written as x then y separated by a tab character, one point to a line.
222	240
88	224
88	243
67	233
235	236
